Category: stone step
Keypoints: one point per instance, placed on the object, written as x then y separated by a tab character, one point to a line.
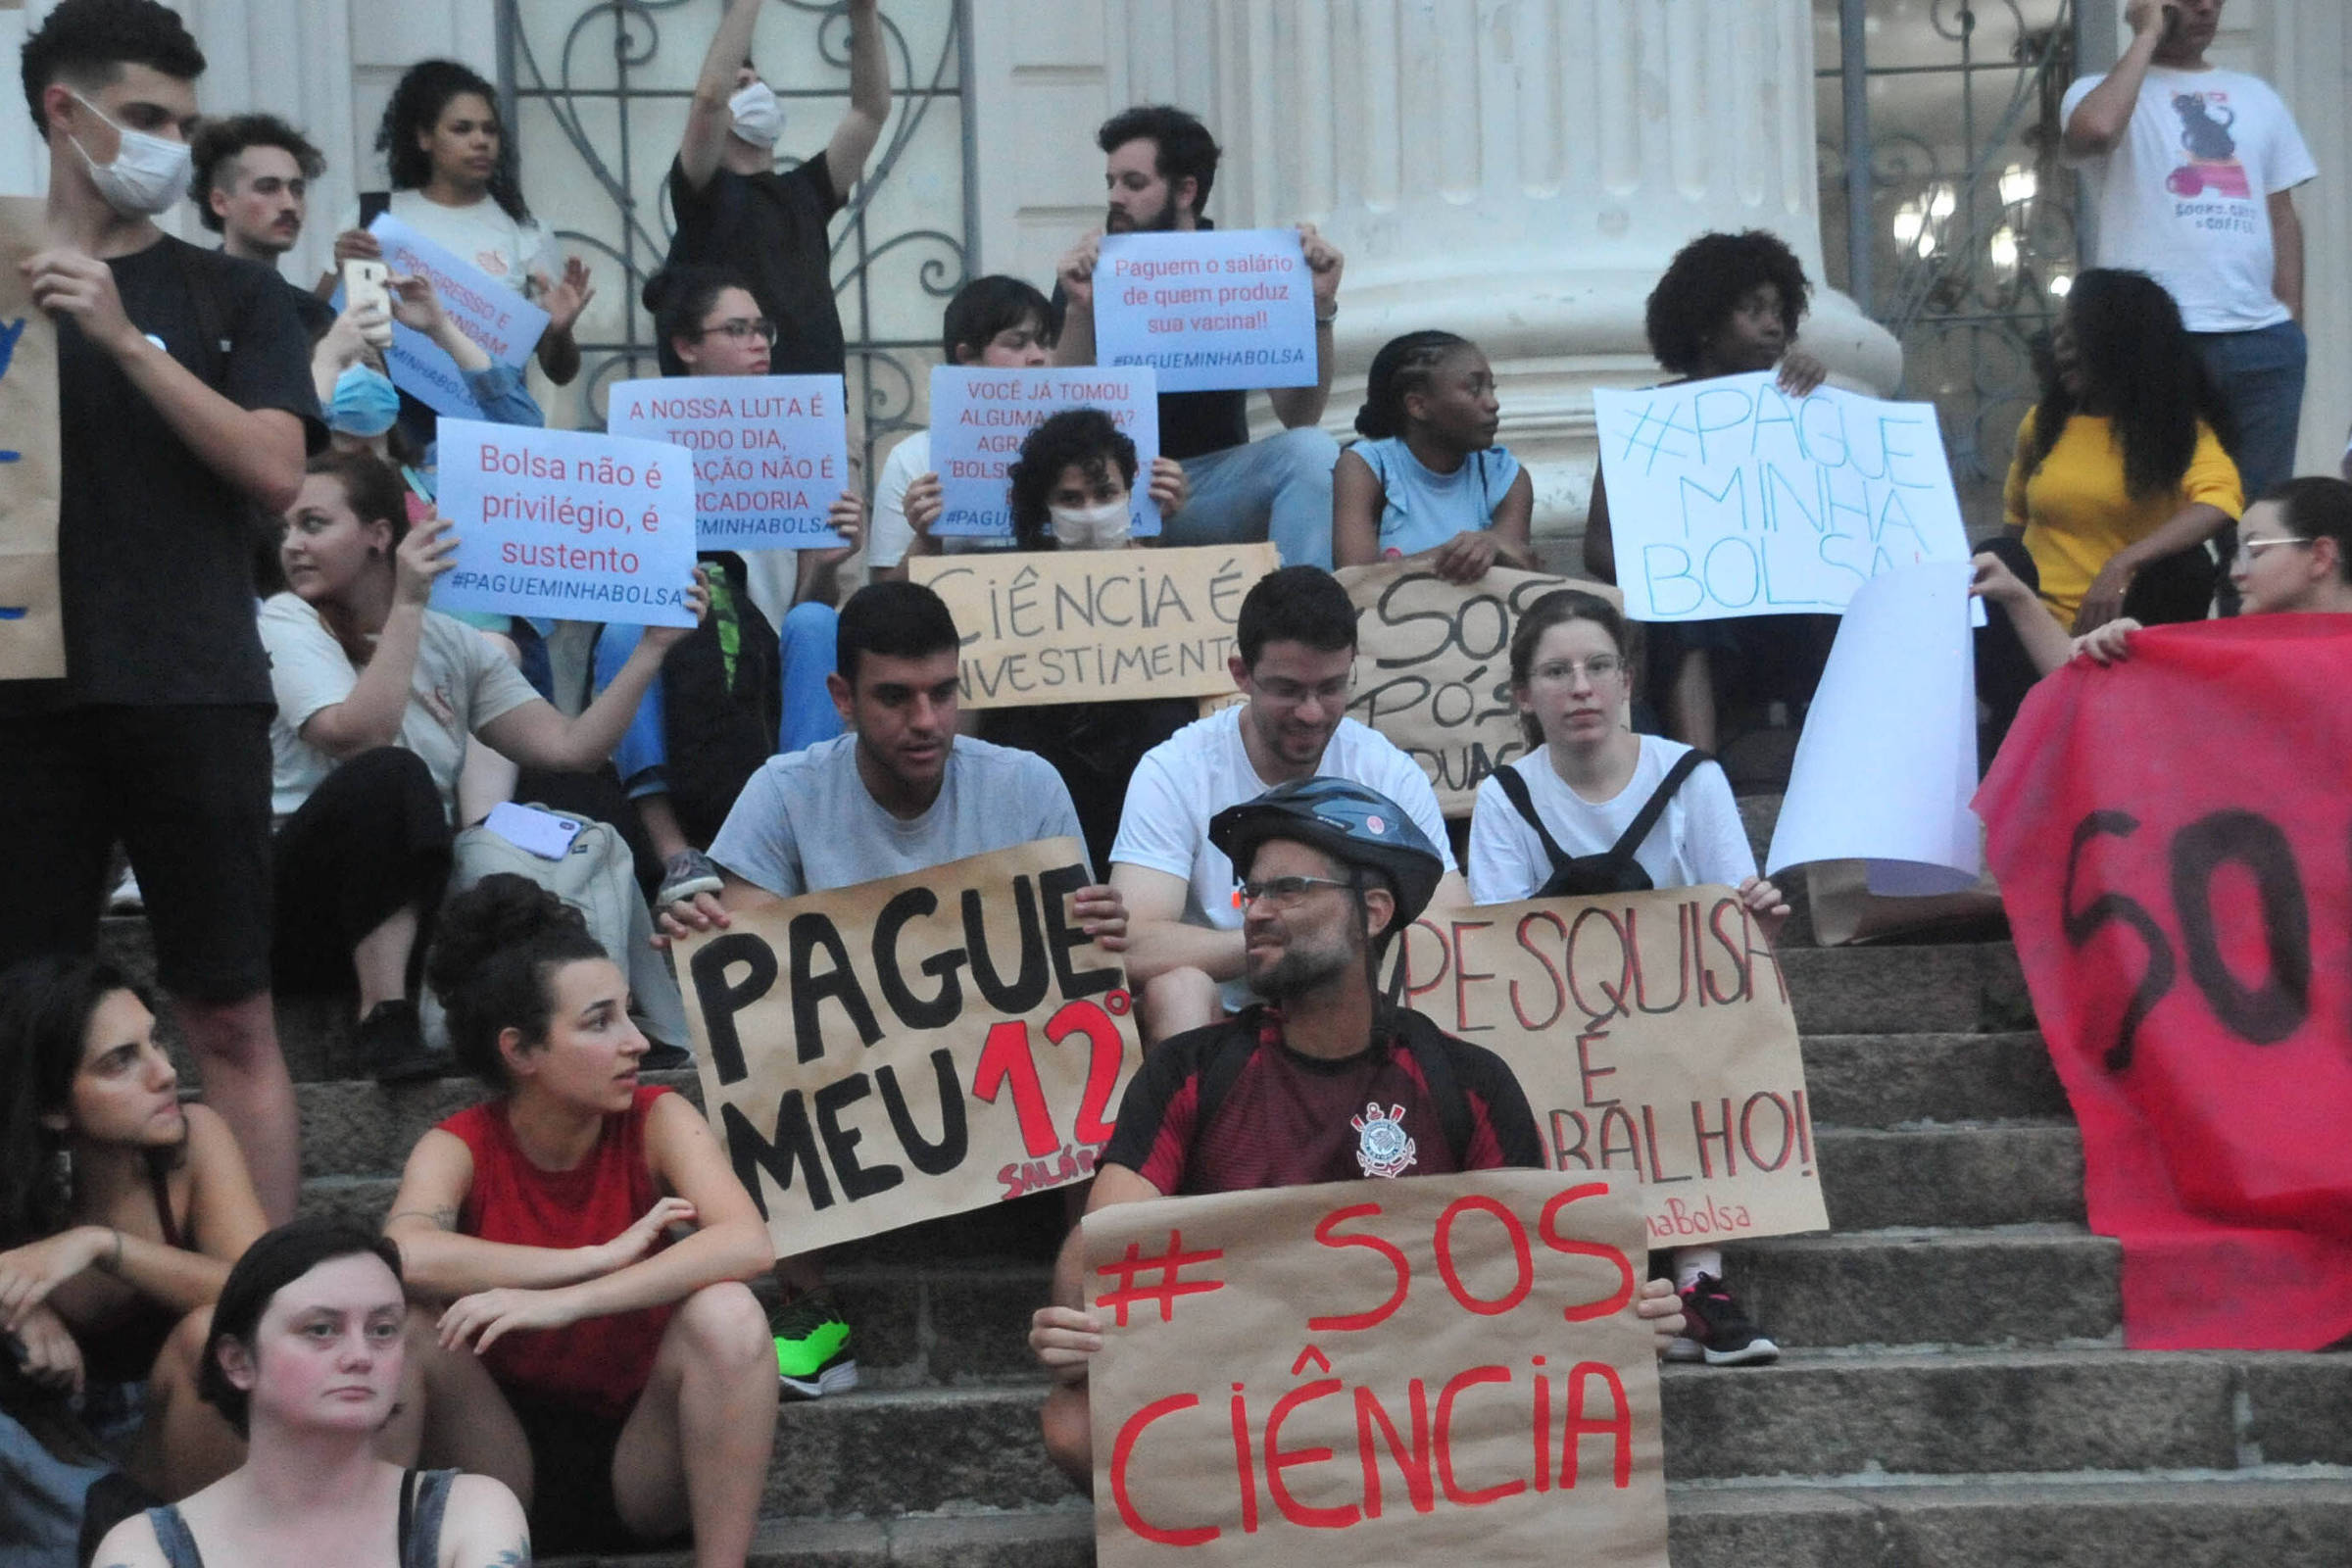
1962	1413
2020	1285
351	1127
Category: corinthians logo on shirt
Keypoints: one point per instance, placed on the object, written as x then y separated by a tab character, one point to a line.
1382	1147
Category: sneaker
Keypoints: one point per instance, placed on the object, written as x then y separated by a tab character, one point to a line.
391	1045
1715	1331
813	1348
126	898
685	875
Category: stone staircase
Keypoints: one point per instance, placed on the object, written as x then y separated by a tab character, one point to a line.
1954	1390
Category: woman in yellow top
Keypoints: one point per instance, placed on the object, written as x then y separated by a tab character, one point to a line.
2120	476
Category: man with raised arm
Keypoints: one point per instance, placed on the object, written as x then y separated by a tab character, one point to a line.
1328	873
184	386
2192	171
1161	165
736	211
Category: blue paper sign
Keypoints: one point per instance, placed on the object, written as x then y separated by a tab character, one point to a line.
1208	311
979	419
772	453
507	325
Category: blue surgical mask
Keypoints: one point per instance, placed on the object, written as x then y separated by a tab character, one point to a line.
364	404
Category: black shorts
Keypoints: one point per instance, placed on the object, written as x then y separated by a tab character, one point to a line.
572	1507
186	791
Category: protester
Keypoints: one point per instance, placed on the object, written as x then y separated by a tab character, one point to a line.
376	697
744	707
1161	163
2293	557
1594	808
158	734
2192	172
2121	474
1296	636
998	324
362	406
305	1356
252	176
1073	488
1428	479
900	793
540	1216
120	1211
736	212
1329	872
454	182
1727	305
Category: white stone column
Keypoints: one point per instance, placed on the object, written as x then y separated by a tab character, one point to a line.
2304	49
1515	170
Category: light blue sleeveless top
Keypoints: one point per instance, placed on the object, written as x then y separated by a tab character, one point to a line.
1425	508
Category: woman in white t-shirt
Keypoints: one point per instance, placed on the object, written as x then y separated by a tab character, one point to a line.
1588	780
1428	479
454	182
376	697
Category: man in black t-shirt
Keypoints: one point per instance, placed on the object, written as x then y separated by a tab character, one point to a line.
1322	1082
252	189
735	211
184	398
1161	163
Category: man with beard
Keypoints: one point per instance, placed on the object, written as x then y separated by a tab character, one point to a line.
252	189
1274	1096
1162	162
1295	656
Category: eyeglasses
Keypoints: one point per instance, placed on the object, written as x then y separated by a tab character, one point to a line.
1290	692
1600	667
759	327
2247	549
1281	892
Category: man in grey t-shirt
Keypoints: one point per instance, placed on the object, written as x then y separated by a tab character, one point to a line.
900	793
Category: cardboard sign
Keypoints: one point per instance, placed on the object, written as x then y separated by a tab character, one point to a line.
1433	668
33	628
979	419
909	1049
506	324
565	524
1095	625
2174	841
1728	497
1209	310
772	453
1438	1369
1653	1035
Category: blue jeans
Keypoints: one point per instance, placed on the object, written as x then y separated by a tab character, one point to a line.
809	713
2260	377
1278	489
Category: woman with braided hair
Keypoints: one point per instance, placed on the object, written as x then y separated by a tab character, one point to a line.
1428	479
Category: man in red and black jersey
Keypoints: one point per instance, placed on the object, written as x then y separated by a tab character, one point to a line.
1319	1082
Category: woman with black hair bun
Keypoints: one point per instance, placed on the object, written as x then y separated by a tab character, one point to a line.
307	1357
1428	479
542	1218
454	182
120	1211
2121	471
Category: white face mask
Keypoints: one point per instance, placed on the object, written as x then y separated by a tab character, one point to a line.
148	175
759	116
1102	527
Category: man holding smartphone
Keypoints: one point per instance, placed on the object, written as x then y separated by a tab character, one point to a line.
183	399
2192	171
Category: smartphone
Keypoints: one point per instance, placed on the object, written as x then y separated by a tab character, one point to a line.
362	286
2172	23
374	203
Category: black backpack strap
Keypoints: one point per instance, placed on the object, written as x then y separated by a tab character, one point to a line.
1428	1045
408	1512
1514	788
1654	807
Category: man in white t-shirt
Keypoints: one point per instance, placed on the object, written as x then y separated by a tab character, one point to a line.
1296	637
2191	172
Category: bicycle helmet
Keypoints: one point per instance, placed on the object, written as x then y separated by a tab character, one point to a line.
1346	820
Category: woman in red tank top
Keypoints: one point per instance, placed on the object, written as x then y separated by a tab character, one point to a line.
541	1219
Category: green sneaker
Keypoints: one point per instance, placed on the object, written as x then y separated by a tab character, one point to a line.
813	1348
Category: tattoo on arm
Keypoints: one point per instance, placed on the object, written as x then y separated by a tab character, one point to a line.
516	1557
441	1219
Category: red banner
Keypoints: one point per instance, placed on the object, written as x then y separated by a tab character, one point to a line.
2174	841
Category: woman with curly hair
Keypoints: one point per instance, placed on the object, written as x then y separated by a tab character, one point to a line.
2120	473
454	182
1428	479
1728	304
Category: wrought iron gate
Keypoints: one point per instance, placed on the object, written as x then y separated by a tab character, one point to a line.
596	92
